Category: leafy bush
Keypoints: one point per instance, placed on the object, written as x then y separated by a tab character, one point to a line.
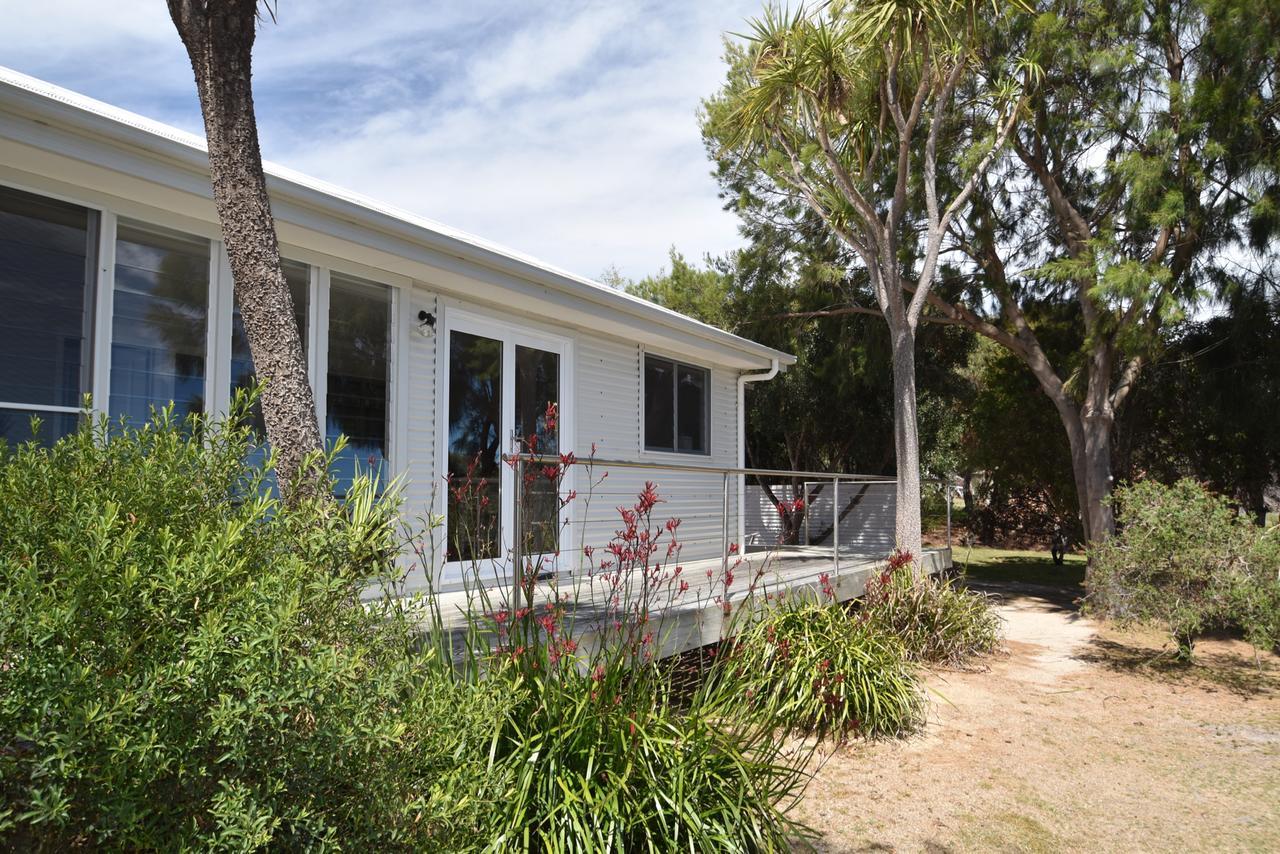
1184	558
185	662
936	621
610	760
603	753
813	668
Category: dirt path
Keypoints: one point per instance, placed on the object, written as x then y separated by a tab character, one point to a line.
1075	740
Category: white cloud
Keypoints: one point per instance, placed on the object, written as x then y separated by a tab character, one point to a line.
566	131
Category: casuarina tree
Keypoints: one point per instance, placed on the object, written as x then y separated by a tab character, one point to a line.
219	36
1143	176
850	110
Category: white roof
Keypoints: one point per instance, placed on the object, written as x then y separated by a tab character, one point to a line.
89	115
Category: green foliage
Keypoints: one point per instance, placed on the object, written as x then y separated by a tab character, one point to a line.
1013	436
604	748
1185	559
185	662
1206	408
685	288
815	668
936	621
605	758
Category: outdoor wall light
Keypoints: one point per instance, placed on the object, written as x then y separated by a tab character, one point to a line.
426	319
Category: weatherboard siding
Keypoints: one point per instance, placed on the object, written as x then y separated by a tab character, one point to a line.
610	417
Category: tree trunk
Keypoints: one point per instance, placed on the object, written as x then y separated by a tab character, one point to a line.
907	527
219	40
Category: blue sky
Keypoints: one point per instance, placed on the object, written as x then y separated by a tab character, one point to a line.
566	130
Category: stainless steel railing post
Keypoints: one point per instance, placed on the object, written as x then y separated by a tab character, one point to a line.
947	488
517	557
724	527
835	526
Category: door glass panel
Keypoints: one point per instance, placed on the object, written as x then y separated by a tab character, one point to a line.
537	399
475	447
158	328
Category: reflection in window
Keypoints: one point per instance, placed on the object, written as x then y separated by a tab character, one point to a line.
358	387
677	406
159	322
691	410
537	388
296	277
47	261
15	426
659	404
475	443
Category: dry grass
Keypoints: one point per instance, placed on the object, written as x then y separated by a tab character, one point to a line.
1078	738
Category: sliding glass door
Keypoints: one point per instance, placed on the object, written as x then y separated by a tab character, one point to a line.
503	396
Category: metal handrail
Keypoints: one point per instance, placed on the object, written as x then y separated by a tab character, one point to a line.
707	469
519	460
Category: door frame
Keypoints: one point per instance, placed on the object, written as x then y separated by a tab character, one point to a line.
512	334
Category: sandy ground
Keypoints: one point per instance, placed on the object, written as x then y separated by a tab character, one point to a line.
1077	738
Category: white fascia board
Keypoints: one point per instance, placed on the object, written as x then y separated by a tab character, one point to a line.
138	145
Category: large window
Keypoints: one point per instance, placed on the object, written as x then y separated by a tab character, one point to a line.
677	406
358	390
160	322
47	262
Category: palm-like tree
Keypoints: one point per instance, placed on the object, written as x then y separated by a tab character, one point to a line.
848	110
219	36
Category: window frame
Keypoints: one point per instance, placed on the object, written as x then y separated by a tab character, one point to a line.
676	366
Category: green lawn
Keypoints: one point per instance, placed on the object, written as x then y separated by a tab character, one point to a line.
987	564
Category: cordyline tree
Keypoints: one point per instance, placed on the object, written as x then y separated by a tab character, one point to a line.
1145	166
850	110
219	35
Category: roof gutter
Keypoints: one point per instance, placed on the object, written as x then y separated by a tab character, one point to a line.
743	379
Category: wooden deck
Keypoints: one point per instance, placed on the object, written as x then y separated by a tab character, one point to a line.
693	617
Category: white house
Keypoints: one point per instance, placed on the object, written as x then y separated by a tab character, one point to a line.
428	347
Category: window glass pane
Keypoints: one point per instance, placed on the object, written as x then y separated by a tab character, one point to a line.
659	400
15	426
358	394
537	388
475	443
296	276
691	410
159	323
46	263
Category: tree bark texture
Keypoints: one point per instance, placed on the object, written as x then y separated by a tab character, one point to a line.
906	441
219	36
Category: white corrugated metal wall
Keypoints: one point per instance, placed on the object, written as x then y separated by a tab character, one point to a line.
607	414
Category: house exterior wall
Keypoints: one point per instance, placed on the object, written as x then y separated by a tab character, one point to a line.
606	408
606	338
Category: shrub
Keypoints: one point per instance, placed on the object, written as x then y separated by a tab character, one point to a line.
936	621
603	753
1184	558
185	662
813	668
609	760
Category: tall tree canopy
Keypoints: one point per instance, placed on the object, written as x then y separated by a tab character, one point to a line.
1143	171
850	110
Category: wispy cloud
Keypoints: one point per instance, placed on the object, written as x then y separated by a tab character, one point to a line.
564	130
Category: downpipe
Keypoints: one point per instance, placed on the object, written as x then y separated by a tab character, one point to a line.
774	368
